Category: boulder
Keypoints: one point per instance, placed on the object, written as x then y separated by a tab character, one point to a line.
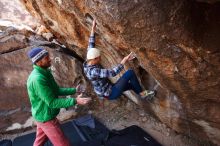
176	43
11	39
15	67
15	12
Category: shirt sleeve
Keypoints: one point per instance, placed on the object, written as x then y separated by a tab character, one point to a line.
66	91
46	94
91	41
103	73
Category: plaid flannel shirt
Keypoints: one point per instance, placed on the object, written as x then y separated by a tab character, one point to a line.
99	76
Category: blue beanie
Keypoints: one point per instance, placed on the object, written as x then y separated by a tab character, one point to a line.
37	54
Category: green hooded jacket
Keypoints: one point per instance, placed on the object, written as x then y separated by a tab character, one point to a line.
43	92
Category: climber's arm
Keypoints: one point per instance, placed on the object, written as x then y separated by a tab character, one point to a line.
92	35
93	28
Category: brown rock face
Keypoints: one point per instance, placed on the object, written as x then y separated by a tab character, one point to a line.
15	68
14	11
176	42
12	40
208	1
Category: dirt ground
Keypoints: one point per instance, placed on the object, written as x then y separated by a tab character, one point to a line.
123	113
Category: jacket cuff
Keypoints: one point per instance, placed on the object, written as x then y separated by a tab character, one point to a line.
74	101
121	66
73	90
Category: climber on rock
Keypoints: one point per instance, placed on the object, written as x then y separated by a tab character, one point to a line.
43	93
99	75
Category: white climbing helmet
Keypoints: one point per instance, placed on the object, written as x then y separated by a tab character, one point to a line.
92	53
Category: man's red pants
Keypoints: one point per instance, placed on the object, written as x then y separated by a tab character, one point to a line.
50	130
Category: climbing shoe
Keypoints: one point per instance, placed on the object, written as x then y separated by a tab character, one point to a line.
148	94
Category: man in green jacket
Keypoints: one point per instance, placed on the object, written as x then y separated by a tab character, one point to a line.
43	92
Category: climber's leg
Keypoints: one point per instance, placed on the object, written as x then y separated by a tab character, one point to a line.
128	81
131	77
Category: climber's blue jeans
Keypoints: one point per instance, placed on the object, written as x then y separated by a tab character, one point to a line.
128	81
